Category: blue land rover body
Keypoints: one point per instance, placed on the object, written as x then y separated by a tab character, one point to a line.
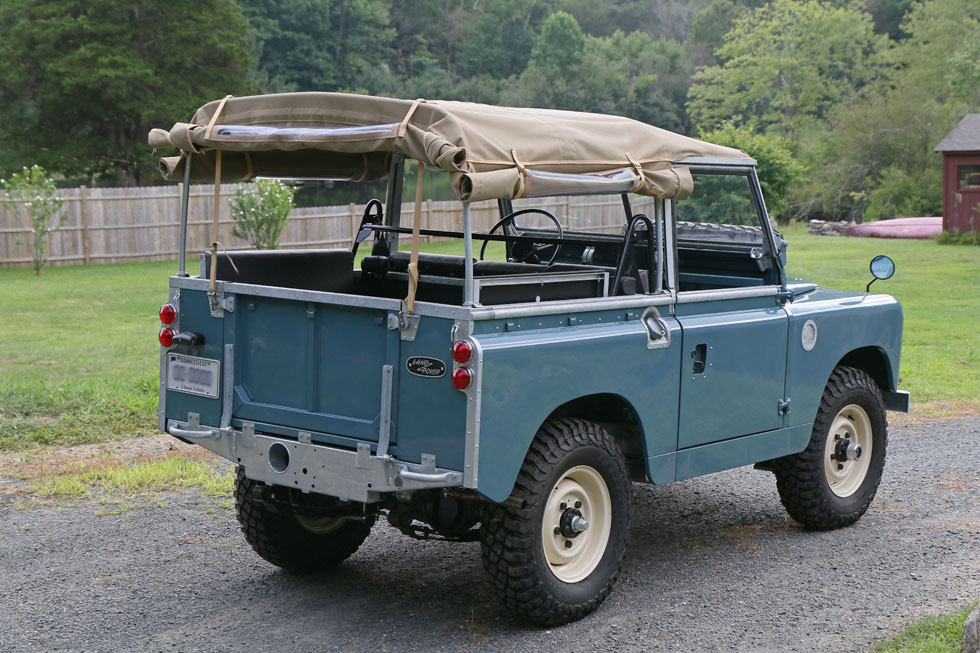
515	401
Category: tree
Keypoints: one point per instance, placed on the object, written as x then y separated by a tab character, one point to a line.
777	168
710	26
83	81
35	192
260	211
553	77
318	45
572	70
787	65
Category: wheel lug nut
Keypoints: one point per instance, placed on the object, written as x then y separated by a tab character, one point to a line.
840	466
557	531
578	504
563	506
568	544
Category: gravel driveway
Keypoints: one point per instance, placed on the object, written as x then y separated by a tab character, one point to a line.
714	564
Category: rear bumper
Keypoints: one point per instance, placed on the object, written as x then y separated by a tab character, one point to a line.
897	401
348	475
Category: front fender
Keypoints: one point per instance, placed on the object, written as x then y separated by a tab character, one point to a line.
845	323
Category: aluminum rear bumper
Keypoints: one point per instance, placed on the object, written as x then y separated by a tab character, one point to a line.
348	475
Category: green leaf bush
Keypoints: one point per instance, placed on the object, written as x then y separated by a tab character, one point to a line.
260	211
31	190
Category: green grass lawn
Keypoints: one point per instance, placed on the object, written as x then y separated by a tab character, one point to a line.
79	356
942	634
79	352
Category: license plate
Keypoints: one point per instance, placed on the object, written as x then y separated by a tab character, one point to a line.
196	376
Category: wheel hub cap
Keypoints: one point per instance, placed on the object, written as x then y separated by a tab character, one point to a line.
576	523
572	523
847	455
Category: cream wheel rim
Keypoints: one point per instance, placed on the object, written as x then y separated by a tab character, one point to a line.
318	525
846	471
573	554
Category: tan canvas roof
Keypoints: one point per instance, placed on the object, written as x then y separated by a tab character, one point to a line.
490	151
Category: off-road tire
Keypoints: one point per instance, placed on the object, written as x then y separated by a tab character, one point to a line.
273	531
512	541
803	483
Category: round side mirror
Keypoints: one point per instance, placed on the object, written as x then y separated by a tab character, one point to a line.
882	267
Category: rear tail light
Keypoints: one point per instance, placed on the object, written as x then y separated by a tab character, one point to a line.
462	377
167	337
462	351
168	314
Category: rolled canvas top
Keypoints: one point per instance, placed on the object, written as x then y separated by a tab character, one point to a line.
490	151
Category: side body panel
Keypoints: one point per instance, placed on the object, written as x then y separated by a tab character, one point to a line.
194	314
526	375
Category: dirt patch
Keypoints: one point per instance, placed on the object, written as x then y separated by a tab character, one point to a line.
39	463
927	411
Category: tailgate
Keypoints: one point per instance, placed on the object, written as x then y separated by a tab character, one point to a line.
314	367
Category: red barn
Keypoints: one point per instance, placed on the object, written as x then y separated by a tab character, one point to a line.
961	175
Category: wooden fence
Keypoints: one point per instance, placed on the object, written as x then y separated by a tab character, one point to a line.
108	225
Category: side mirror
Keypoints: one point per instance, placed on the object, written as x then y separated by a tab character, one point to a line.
882	267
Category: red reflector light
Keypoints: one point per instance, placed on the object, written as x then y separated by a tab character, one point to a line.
462	377
168	314
167	337
462	351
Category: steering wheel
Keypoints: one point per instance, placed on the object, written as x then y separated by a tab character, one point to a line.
373	214
525	252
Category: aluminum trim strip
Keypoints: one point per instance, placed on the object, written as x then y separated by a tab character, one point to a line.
471	446
227	386
384	426
694	296
162	401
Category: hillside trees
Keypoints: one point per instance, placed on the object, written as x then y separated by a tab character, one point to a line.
83	81
883	141
626	74
786	65
313	45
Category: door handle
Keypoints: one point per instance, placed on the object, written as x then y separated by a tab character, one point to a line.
700	355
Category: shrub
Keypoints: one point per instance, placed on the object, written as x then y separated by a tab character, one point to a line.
957	238
899	194
778	170
36	192
260	211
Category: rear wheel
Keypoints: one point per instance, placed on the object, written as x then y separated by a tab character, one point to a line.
831	483
296	540
555	558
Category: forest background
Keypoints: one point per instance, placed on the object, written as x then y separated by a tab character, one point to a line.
846	99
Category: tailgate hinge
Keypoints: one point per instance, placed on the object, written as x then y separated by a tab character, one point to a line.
407	323
220	303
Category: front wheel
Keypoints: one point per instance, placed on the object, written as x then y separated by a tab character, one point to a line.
554	554
831	483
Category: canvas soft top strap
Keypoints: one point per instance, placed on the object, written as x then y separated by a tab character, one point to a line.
413	262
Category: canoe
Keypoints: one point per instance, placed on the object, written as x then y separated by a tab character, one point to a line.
898	228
